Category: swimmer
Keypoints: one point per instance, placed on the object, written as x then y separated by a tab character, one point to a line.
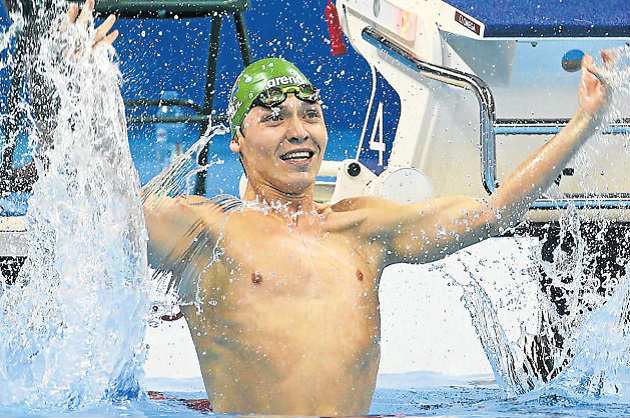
294	325
288	316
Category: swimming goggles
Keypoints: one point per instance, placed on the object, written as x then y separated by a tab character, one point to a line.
274	96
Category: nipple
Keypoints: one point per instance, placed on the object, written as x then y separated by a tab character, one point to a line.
257	278
359	275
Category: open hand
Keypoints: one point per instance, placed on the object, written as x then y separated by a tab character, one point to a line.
103	36
593	91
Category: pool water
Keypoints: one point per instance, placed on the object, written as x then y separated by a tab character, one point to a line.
410	394
431	396
483	400
453	400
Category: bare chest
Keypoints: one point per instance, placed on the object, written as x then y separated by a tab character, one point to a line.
280	308
312	293
317	277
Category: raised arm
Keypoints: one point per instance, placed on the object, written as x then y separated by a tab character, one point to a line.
431	230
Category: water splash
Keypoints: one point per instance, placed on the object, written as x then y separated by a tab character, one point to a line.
600	368
584	354
494	341
177	177
73	323
168	290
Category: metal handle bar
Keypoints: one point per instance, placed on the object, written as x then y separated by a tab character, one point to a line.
550	127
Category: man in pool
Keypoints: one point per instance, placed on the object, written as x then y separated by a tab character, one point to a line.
286	319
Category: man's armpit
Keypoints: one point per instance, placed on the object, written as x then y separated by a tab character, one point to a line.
182	262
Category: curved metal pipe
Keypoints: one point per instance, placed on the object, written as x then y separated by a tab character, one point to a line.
453	78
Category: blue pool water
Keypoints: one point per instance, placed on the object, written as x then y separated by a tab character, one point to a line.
483	400
431	396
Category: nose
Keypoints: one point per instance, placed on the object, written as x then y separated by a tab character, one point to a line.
296	133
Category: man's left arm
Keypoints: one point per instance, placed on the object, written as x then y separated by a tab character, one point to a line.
431	230
424	232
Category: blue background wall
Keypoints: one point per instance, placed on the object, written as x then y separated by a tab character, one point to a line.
170	55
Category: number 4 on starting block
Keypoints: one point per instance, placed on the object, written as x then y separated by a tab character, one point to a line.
377	140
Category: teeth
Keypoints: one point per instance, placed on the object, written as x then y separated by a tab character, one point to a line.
296	155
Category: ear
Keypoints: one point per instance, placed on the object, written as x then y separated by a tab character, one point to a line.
235	143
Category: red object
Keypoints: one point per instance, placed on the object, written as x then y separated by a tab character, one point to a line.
196	404
337	45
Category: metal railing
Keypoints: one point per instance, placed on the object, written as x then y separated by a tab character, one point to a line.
201	115
490	127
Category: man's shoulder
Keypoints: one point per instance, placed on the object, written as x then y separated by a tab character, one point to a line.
350	214
207	210
226	202
222	203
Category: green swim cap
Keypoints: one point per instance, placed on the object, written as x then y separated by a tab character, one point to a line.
256	78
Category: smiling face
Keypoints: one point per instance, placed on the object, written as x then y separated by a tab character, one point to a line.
283	147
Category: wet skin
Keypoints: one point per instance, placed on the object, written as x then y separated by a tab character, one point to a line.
287	320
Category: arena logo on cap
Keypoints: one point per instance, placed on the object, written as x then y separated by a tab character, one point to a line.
279	81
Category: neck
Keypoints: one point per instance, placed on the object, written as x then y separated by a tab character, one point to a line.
287	205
